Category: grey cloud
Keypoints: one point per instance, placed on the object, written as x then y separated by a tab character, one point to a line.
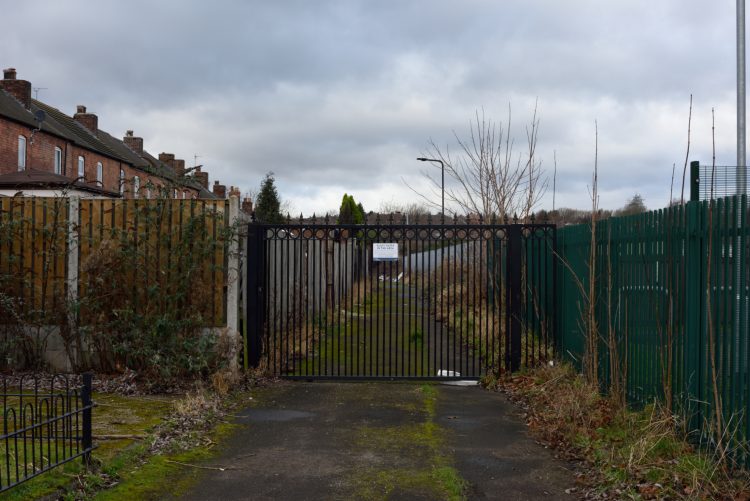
346	93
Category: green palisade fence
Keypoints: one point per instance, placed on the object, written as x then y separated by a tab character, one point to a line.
678	274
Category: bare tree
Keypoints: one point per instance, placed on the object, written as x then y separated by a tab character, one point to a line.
486	177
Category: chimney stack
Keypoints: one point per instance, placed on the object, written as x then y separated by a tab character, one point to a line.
19	89
133	142
166	158
179	167
247	205
219	190
201	177
88	120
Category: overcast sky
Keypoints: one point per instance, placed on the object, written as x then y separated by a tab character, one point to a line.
342	96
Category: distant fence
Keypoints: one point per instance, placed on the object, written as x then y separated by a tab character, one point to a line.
712	182
43	426
679	273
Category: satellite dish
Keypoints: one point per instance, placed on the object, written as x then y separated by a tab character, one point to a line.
40	116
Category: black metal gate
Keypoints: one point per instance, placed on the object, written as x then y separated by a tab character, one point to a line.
399	301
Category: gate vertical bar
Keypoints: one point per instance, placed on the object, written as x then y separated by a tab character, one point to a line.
513	271
256	268
86	431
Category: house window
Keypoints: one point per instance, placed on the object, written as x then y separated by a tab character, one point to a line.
136	185
99	174
122	182
175	193
21	153
81	169
184	195
58	161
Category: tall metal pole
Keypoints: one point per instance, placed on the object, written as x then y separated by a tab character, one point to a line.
442	181
741	139
741	178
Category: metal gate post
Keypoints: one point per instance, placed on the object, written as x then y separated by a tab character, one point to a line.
255	308
513	277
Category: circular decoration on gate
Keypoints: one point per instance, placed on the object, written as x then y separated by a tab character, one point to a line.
307	233
461	234
410	234
397	234
423	234
474	233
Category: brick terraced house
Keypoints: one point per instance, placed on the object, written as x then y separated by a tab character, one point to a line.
45	152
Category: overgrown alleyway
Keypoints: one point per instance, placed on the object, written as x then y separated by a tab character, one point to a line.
380	441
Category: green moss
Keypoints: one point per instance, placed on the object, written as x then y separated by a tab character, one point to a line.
427	468
114	415
162	476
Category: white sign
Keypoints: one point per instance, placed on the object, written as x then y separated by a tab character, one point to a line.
384	252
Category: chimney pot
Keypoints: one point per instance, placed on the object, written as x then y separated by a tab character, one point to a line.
129	133
9	74
166	157
80	109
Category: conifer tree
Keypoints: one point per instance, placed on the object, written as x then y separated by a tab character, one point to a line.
268	204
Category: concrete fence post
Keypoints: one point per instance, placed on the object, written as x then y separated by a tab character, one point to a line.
233	283
74	208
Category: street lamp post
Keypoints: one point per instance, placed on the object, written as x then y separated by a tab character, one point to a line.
442	181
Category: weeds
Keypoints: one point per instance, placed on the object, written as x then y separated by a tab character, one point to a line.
631	454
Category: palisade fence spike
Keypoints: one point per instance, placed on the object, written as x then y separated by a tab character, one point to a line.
390	218
515	218
481	219
300	218
429	218
532	218
288	219
505	218
327	219
377	218
493	218
314	218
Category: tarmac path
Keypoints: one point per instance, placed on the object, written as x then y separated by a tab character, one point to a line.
394	441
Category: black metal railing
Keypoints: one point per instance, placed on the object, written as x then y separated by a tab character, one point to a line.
453	300
45	424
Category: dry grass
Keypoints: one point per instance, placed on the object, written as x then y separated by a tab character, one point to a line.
629	454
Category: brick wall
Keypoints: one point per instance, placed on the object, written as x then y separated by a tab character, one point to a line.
41	156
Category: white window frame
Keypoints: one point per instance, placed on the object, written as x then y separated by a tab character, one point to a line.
175	193
136	185
58	161
122	181
21	153
81	168
99	174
